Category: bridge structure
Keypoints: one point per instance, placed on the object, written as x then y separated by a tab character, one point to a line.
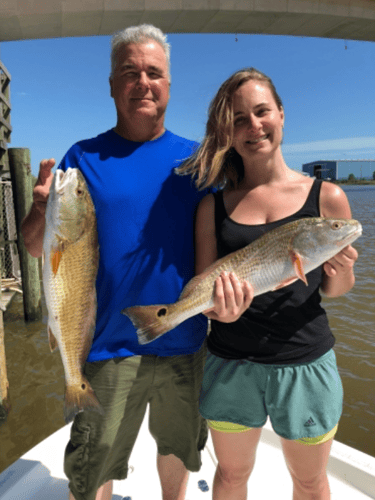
33	19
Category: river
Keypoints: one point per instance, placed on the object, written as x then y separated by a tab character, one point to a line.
36	376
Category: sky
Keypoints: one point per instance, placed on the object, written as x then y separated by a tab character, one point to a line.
60	91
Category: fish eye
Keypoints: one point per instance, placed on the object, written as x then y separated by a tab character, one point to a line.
79	192
336	225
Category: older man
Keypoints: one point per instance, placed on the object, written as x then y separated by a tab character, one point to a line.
145	224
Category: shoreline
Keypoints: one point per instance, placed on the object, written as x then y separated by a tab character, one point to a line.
366	182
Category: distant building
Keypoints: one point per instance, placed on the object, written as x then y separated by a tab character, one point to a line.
340	169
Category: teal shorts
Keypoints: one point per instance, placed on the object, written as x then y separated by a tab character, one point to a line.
302	400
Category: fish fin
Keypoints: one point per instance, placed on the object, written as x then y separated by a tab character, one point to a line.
80	397
284	283
56	256
298	265
53	345
151	321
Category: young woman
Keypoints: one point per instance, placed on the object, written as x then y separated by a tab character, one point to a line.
271	355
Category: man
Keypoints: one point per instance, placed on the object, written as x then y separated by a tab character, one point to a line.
145	223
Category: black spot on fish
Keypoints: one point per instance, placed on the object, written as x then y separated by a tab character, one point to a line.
162	312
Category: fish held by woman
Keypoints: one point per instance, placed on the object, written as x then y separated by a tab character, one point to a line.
276	259
70	264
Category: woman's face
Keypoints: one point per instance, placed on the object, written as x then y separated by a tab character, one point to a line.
258	122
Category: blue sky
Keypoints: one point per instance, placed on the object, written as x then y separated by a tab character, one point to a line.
60	90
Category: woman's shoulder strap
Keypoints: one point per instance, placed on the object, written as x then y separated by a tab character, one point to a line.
220	212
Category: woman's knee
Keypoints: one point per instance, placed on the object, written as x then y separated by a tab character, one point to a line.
312	485
234	475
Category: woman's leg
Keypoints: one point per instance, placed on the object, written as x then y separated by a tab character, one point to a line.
307	466
235	453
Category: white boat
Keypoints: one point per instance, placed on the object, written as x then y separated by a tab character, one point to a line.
39	473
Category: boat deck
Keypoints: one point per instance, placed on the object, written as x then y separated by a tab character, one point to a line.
39	473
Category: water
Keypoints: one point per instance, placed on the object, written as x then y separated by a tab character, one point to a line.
36	375
352	319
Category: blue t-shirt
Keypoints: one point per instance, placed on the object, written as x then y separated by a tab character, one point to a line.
145	219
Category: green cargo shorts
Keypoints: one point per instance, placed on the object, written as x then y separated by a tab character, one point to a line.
100	446
302	400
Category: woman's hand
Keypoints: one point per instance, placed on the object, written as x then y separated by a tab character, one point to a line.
342	263
339	275
231	298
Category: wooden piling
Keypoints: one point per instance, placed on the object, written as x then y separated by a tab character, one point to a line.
4	384
22	185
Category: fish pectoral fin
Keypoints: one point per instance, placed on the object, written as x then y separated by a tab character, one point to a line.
53	345
56	256
298	265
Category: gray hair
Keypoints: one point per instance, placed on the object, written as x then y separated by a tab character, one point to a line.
139	34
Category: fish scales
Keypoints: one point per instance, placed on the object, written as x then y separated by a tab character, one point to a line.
70	263
276	259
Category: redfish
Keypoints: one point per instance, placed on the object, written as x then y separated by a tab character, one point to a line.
70	264
276	259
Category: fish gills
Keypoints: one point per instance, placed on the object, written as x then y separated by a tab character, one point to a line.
69	277
276	259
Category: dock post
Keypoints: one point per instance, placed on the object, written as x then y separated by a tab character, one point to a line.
4	384
20	171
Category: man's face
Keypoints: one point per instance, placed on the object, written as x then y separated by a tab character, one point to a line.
140	83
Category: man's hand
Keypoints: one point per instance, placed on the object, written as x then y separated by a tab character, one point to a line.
232	298
43	184
33	224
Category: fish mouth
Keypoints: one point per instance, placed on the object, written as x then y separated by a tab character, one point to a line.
63	179
351	237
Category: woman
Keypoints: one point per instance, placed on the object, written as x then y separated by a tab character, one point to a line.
271	356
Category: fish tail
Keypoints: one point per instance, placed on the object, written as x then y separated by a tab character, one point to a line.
150	321
80	397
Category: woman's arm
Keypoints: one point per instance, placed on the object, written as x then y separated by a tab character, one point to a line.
338	275
232	298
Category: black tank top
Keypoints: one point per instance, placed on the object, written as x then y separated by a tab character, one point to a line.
281	327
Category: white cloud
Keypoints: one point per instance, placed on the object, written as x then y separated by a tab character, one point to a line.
350	143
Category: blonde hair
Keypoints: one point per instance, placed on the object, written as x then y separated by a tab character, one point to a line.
216	163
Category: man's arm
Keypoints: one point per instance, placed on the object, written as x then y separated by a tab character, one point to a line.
32	227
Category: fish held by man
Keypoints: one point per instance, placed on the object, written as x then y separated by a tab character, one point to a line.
70	264
276	259
4	384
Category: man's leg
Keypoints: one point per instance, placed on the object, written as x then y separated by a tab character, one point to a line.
100	445
175	423
103	493
173	477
